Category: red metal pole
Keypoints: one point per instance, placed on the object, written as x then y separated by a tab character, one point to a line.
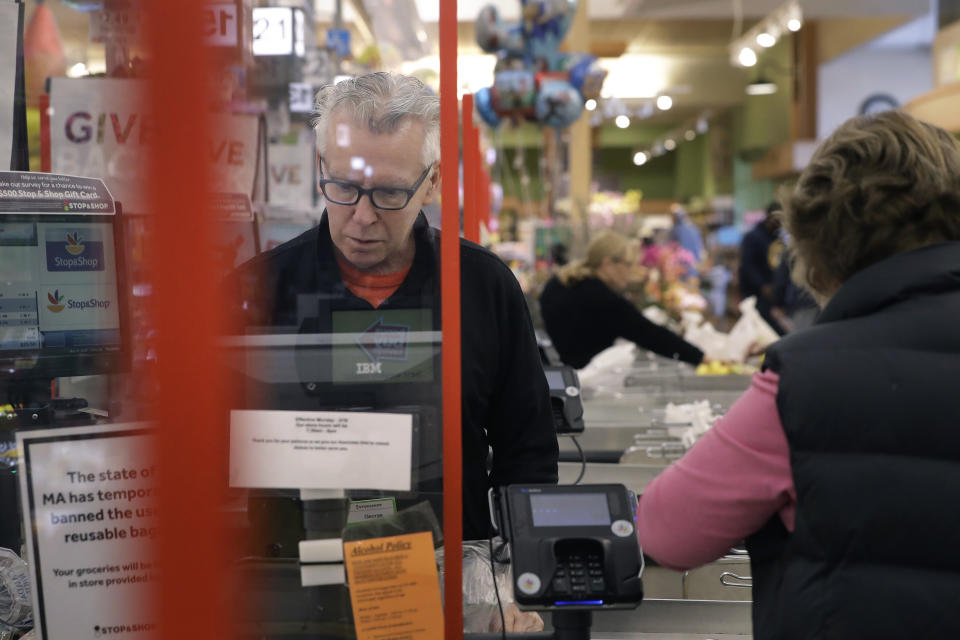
190	412
450	308
471	229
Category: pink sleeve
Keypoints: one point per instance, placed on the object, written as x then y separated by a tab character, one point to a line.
734	479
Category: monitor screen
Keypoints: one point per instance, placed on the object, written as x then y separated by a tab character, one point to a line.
555	380
393	345
569	509
59	297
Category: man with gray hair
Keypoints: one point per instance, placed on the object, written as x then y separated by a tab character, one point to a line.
372	266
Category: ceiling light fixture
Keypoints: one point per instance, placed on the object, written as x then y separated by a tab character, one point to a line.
766	40
761	87
664	103
590	104
640	158
622	121
743	50
690	135
669	144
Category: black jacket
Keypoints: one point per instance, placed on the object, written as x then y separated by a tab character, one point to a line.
867	398
505	399
585	318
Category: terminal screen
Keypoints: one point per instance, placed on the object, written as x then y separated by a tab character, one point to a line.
555	380
379	346
569	509
58	295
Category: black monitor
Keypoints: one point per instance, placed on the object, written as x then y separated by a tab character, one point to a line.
61	294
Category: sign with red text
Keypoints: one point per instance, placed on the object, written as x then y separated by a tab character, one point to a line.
88	499
103	128
291	173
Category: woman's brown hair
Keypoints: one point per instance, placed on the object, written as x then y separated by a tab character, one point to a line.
880	185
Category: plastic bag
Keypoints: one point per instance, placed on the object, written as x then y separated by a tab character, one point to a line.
751	330
606	370
480	610
16	608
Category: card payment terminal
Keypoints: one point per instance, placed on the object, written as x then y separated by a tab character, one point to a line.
565	402
571	546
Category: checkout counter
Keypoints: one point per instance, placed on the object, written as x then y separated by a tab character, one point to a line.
628	439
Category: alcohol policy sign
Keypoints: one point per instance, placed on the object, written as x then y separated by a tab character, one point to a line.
88	494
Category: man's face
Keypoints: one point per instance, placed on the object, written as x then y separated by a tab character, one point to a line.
370	239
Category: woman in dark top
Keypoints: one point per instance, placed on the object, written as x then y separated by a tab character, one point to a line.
584	312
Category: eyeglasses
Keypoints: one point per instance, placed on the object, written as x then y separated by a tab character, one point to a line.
386	198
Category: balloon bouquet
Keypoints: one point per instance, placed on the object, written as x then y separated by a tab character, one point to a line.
533	80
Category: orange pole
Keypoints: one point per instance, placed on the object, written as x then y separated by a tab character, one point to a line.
189	412
471	229
450	309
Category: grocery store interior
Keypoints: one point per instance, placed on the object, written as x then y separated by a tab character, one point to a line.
644	303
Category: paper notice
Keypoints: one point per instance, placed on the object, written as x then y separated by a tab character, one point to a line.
394	588
320	450
88	494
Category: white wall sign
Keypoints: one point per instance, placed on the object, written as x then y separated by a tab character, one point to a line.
89	494
301	97
291	173
273	31
221	25
320	450
102	128
99	128
9	26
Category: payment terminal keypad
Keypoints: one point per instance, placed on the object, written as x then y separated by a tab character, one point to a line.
579	574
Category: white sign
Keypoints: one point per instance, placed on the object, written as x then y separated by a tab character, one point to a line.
291	173
116	24
273	31
9	26
99	128
320	450
221	25
89	495
103	128
232	153
301	97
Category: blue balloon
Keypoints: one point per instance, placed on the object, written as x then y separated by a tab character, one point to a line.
545	24
493	35
483	101
586	74
558	104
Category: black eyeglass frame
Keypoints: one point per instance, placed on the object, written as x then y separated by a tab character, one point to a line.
412	191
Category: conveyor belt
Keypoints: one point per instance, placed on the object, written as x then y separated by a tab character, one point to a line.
682	619
632	476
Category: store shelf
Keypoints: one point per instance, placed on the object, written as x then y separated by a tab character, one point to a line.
940	107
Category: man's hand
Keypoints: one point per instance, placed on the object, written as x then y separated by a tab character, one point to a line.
518	621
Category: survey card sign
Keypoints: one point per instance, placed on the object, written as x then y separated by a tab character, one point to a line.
89	494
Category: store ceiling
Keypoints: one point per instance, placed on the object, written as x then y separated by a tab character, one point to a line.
691	9
679	47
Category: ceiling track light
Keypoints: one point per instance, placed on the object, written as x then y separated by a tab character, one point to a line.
785	19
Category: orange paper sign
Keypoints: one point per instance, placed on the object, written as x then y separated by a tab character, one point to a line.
394	588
